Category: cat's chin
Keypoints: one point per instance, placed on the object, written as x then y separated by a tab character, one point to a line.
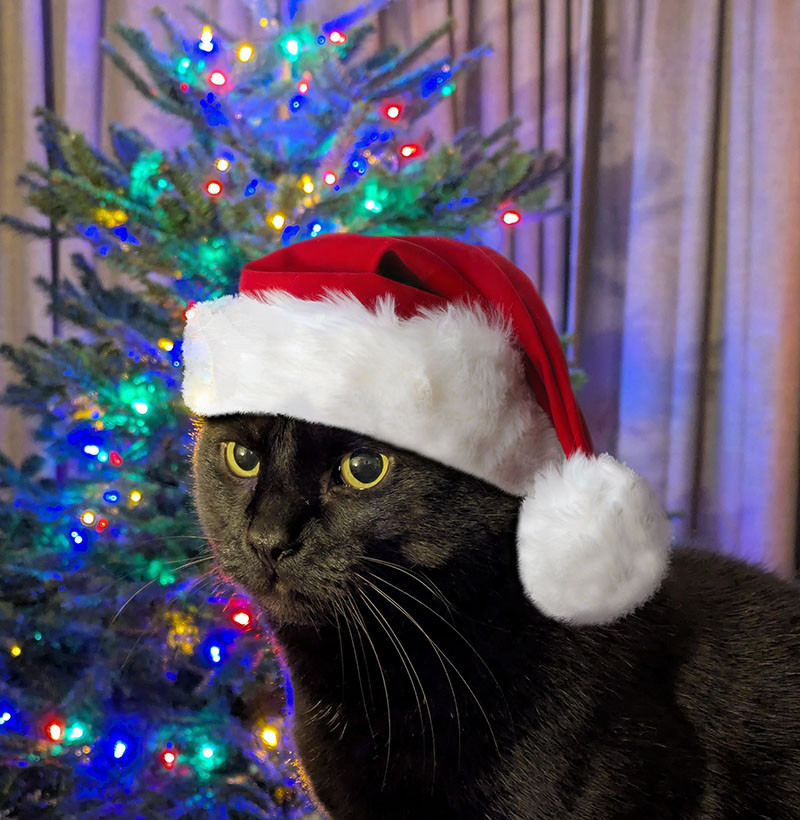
285	606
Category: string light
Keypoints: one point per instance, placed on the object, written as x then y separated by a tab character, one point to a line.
409	150
207	752
222	164
120	747
88	518
270	736
263	22
141	407
55	730
91	450
337	37
241	617
102	524
245	52
213	187
166	344
5	717
307	184
111	496
372	205
303	86
511	217
278	221
329	178
292	47
215	653
135	496
393	111
15	651
217	78
115	458
168	758
76	732
206	39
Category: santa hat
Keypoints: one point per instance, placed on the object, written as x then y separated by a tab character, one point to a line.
446	349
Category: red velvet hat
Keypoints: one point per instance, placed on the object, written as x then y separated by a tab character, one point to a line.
444	348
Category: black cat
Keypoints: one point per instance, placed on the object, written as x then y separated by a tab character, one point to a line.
426	685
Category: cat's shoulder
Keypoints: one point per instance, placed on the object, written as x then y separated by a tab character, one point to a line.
726	595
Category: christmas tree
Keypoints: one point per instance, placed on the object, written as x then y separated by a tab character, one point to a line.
132	682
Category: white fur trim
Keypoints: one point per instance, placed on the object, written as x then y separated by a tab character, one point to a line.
447	383
593	541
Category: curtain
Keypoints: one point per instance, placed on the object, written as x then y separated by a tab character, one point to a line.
676	264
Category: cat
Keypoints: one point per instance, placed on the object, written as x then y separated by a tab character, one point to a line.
425	683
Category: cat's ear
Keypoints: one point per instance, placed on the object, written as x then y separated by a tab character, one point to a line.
592	540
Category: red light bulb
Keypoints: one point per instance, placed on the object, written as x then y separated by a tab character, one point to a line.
213	187
55	730
393	111
409	150
511	217
241	617
115	458
217	78
168	758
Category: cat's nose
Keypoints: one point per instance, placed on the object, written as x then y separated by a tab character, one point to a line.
270	546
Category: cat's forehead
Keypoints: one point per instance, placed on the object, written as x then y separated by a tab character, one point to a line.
261	429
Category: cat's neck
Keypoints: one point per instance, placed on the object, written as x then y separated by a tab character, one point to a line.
391	689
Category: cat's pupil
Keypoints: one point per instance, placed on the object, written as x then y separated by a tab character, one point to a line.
366	465
245	459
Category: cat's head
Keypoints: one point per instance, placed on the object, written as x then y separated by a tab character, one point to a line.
300	514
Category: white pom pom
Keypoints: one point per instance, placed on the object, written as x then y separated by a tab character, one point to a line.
592	540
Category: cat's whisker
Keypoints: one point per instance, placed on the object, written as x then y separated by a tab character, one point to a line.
445	657
403	654
349	605
453	627
438	653
337	610
359	619
427	583
150	583
138	591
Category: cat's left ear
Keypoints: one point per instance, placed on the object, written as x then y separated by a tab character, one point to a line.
593	541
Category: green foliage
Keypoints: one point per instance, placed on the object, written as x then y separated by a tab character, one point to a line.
97	613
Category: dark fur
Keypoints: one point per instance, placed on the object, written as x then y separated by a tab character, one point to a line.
689	708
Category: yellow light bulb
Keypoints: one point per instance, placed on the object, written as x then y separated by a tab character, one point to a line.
207	35
166	344
308	186
245	52
270	736
222	164
135	496
263	22
16	651
278	221
88	518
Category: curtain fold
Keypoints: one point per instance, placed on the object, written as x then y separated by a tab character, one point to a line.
676	262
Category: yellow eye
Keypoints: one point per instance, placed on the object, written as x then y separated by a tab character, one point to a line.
240	460
363	469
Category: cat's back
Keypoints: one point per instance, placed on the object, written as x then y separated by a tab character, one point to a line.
732	615
688	708
737	680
